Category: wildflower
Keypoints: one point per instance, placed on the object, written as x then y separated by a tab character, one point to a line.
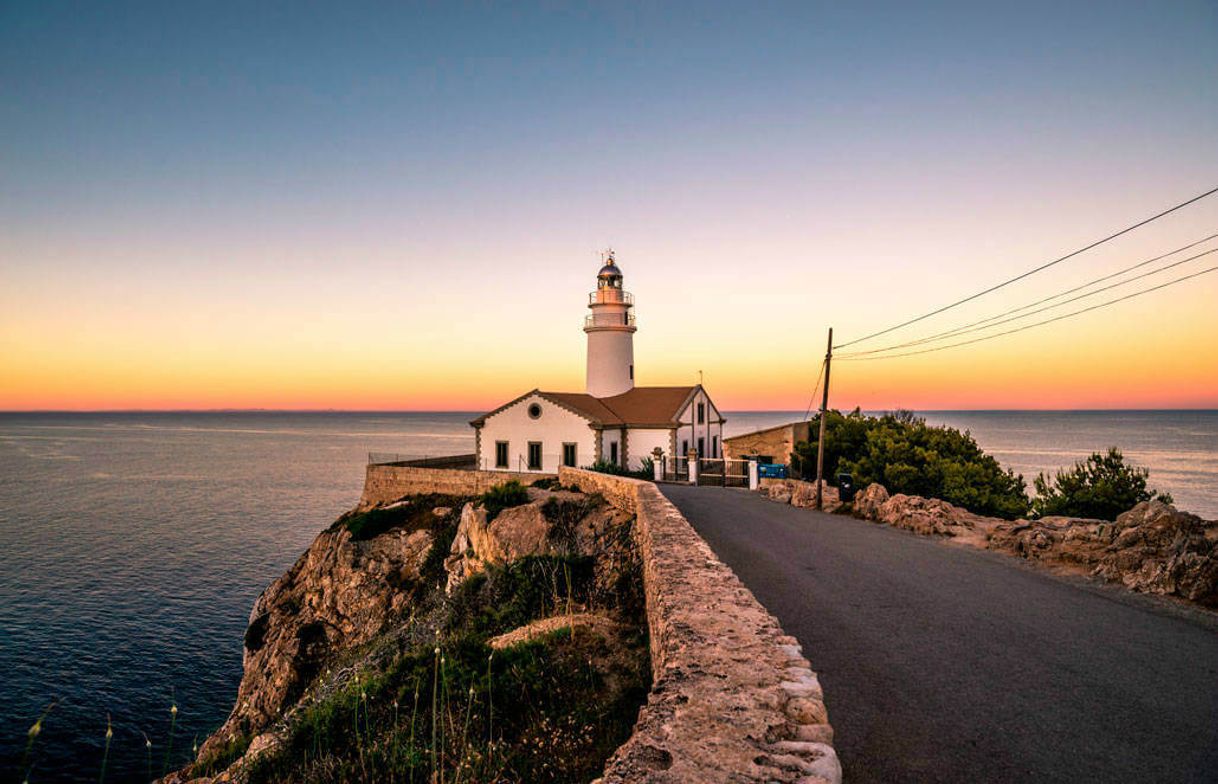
147	742
363	695
173	710
437	650
37	728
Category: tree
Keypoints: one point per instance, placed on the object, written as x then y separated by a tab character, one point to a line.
900	451
1100	487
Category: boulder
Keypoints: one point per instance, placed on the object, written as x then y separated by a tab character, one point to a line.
804	496
926	515
780	491
1159	549
867	503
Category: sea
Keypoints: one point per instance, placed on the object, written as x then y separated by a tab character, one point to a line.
132	546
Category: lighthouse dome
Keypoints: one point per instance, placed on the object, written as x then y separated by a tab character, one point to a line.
610	270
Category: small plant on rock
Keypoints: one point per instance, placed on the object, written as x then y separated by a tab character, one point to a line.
502	497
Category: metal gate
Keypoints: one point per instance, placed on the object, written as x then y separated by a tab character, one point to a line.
723	472
674	469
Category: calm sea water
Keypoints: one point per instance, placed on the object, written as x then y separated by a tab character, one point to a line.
133	545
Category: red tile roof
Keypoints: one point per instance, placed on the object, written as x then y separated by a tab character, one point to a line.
641	406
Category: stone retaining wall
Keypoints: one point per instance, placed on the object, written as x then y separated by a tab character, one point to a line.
387	483
732	698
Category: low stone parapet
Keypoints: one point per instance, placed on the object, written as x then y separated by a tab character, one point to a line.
732	699
385	484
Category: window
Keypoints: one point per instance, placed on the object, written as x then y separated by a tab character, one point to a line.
701	413
613	452
535	411
568	455
701	446
714	446
632	372
684	447
501	454
534	455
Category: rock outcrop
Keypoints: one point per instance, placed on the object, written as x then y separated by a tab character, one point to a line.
552	523
799	493
868	502
926	515
1152	548
340	593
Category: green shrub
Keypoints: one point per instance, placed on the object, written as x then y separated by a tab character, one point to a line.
609	467
507	596
502	497
903	453
1100	487
221	758
411	512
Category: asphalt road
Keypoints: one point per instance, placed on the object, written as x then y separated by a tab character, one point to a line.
946	664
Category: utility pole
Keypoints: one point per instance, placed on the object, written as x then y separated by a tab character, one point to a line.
820	442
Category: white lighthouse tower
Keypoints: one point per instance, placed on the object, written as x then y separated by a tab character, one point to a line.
610	329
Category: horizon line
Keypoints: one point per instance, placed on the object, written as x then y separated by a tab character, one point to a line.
476	411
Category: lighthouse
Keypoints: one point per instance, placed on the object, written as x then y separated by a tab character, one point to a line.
610	327
613	421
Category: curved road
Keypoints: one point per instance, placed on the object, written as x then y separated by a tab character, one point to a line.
941	663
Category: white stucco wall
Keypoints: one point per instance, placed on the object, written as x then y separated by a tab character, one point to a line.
555	426
610	357
707	430
642	441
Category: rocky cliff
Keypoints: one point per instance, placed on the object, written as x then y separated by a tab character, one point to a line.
381	588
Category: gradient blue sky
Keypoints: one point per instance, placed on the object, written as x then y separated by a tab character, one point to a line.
360	205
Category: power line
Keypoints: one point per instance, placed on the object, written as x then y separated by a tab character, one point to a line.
1036	324
1118	273
993	321
1033	271
815	389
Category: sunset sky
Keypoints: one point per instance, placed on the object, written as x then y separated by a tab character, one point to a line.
214	205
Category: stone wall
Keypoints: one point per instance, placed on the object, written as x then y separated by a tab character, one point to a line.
777	442
387	483
733	699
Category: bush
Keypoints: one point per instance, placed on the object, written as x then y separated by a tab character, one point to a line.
607	467
502	497
413	512
903	453
1100	487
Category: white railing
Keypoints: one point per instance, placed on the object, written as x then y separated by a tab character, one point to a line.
610	297
607	320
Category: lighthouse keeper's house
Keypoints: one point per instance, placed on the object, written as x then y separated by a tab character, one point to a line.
612	420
